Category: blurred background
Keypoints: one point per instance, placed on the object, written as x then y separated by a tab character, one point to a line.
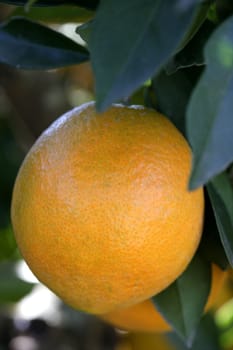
31	317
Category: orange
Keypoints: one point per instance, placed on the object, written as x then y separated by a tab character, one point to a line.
230	273
141	317
147	341
219	278
226	292
144	341
144	316
101	209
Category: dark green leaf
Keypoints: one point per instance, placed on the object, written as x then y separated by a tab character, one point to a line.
224	9
221	196
38	3
84	31
206	337
10	159
192	54
197	22
7	244
29	4
59	14
144	34
12	288
88	4
182	303
138	97
212	13
211	246
209	114
29	45
172	93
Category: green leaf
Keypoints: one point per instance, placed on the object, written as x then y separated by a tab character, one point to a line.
88	4
29	45
211	247
192	54
144	34
209	114
84	30
59	14
224	9
7	244
38	2
11	156
182	303
12	288
206	337
172	93
29	4
197	22
221	196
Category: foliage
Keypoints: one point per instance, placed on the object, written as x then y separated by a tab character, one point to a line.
174	56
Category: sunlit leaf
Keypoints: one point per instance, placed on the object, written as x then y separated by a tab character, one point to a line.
29	45
88	4
59	14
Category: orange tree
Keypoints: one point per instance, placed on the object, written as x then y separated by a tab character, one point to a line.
173	56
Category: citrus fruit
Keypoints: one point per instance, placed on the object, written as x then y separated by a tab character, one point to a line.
144	341
147	341
141	317
230	273
144	316
101	209
226	292
219	277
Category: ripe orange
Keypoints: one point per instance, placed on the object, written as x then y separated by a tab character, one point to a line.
141	317
226	292
144	316
101	210
147	341
230	273
144	341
